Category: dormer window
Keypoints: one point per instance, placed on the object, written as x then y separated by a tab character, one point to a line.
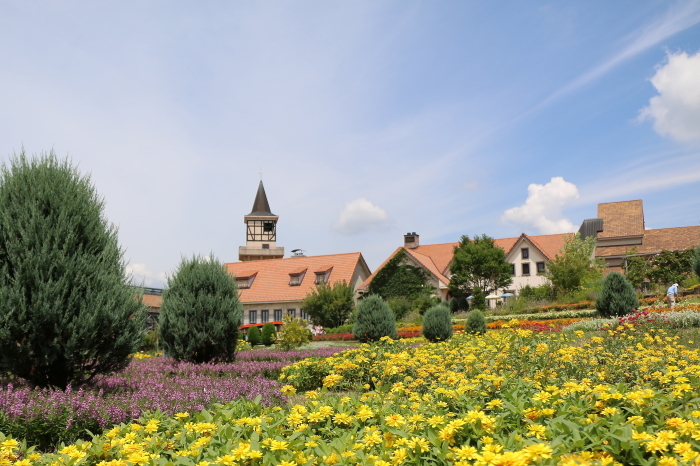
296	277
322	275
245	280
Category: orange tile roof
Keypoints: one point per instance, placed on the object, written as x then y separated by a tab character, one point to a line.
152	300
550	245
271	283
436	258
624	218
654	241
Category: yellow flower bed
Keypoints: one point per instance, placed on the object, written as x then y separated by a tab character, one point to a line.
506	398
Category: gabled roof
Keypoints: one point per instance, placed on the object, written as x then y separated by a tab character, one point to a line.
549	245
261	206
624	218
271	282
152	300
656	240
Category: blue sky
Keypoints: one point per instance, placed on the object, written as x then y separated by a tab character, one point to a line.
368	119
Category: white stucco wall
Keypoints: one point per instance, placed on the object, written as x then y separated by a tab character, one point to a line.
516	257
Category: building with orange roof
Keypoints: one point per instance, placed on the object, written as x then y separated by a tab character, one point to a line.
620	230
271	286
527	255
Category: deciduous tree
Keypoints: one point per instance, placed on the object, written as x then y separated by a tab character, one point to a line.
329	305
574	265
479	263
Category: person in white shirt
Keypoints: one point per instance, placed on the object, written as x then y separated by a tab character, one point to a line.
671	294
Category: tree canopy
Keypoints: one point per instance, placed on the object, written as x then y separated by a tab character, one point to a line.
574	265
479	263
329	305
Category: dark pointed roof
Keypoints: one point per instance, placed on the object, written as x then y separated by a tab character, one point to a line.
261	206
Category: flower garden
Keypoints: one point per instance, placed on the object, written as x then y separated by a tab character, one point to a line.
624	391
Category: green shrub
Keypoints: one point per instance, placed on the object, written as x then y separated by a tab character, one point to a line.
268	335
294	333
67	313
463	304
329	305
423	303
437	324
149	342
454	306
374	320
695	261
201	313
335	330
253	336
476	322
401	307
478	299
617	297
543	292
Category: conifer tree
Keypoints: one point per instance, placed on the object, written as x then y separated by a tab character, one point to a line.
617	296
201	313
268	334
374	320
454	306
67	313
478	299
437	323
463	304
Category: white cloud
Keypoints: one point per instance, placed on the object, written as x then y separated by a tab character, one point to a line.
359	216
143	275
543	207
676	110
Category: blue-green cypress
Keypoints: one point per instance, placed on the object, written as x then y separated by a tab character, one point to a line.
67	313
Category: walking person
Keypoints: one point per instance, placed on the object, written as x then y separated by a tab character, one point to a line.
671	294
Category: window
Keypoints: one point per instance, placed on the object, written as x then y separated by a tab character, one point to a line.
320	278
253	317
295	280
525	253
526	269
278	315
292	312
268	227
304	315
512	269
266	246
242	283
540	267
264	316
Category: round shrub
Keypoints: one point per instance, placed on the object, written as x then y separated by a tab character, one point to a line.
401	307
617	296
476	323
437	323
67	313
201	313
374	320
253	336
268	334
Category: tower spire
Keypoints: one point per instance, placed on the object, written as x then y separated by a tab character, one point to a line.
261	206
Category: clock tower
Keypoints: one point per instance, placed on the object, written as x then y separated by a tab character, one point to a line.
261	231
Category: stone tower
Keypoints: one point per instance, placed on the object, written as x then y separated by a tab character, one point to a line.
261	231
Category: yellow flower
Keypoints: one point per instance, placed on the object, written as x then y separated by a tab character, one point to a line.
181	416
288	390
394	420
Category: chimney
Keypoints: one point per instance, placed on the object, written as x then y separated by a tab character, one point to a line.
410	240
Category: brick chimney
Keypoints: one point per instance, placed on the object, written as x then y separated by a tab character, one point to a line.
410	240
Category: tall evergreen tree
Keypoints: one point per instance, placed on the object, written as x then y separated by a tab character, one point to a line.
66	312
695	261
201	313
